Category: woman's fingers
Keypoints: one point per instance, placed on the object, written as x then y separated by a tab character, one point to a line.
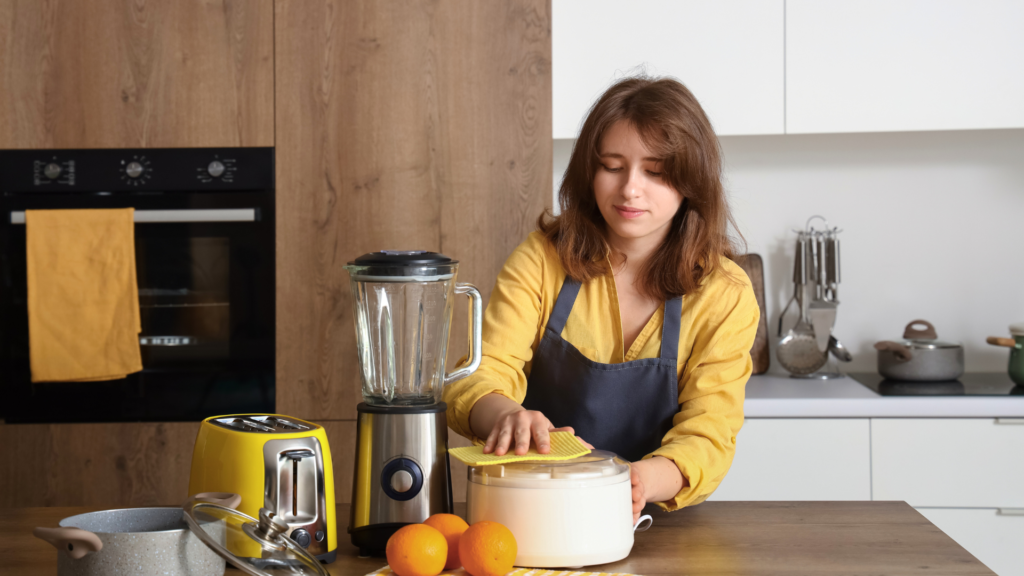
639	498
523	437
562	429
501	445
540	437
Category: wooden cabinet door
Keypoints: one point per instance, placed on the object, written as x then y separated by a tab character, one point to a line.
800	459
889	65
400	125
136	73
729	54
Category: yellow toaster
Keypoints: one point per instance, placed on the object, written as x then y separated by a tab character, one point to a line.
275	462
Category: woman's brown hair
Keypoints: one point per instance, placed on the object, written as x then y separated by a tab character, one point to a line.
673	126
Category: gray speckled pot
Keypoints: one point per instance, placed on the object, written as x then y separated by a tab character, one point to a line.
137	542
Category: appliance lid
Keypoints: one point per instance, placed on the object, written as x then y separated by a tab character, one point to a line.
217	525
401	265
599	468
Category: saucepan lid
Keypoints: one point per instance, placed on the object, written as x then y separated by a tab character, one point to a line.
598	468
257	547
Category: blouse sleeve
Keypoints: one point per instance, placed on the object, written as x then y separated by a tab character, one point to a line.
702	440
511	327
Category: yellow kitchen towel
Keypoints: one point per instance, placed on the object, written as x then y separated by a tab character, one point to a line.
83	297
564	446
386	571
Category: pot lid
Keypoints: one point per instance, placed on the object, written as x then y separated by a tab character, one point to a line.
598	468
271	551
1017	329
400	265
921	335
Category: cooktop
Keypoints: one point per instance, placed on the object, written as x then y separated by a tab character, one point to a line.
970	384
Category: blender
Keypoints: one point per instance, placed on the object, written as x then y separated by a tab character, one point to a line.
402	302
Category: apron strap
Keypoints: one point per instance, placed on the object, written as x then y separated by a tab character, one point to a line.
670	328
563	305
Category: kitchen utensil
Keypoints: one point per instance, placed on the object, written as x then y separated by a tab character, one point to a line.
1015	344
278	462
191	540
832	266
402	303
137	541
920	356
836	348
798	350
571	513
759	352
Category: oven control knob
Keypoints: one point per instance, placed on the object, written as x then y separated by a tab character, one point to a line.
134	169
301	537
216	168
52	170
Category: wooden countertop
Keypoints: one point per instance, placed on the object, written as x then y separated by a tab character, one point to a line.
754	538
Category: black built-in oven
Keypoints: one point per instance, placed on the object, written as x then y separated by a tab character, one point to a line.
204	249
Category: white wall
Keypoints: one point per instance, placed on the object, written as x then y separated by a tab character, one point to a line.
933	225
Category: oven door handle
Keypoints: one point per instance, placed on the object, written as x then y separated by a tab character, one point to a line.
167	216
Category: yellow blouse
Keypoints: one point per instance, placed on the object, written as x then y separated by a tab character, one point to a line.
716	334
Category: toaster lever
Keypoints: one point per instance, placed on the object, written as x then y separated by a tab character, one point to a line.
298	454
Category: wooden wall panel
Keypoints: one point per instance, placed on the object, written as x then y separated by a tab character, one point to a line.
107	465
411	124
125	73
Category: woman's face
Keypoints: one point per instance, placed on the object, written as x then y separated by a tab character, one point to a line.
630	189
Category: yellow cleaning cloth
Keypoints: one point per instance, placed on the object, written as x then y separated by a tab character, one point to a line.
564	446
83	298
386	571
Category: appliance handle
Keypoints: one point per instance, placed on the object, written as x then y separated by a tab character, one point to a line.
476	322
167	216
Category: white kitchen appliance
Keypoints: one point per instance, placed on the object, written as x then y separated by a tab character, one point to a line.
570	513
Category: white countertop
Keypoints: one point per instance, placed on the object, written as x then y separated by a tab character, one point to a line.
772	396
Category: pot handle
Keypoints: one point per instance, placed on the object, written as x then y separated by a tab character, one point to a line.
997	341
225	499
74	542
901	352
643	523
911	333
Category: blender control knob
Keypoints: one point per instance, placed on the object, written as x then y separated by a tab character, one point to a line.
401	481
301	537
134	169
216	168
52	170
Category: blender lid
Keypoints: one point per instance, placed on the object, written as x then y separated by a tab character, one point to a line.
598	468
402	265
402	258
217	525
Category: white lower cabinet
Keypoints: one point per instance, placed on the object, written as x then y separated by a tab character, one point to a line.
949	462
993	536
800	459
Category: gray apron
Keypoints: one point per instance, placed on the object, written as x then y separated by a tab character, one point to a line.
626	408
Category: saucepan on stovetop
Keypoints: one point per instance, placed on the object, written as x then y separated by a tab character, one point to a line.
1016	346
920	356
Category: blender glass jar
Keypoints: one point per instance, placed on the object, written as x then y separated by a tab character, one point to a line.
402	302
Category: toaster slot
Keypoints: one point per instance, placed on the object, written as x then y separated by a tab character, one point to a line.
297	488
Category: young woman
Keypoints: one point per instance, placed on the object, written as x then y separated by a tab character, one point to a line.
623	319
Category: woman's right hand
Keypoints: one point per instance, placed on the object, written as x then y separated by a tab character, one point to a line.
515	430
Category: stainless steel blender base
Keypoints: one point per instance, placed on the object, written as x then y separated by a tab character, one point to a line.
402	472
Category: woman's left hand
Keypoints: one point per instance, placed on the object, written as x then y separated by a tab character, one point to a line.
636	478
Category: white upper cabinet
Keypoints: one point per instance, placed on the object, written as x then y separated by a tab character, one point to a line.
729	54
893	65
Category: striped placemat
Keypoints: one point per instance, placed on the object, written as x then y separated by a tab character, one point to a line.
386	571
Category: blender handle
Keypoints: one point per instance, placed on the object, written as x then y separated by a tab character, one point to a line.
476	321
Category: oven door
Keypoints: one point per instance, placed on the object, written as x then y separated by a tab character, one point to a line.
205	266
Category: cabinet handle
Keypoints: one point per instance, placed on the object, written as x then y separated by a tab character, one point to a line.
189	215
1017	421
1010	511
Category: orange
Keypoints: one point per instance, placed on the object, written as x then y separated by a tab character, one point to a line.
417	550
452	527
487	549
